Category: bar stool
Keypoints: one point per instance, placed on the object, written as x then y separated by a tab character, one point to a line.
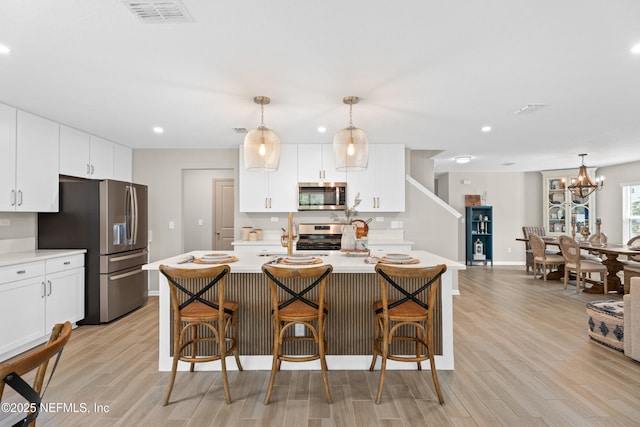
408	299
298	297
198	323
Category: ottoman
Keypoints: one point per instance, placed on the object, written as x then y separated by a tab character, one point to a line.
606	323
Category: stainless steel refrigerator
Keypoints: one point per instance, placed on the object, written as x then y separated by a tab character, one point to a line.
109	219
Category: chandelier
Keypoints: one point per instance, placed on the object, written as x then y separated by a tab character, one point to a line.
351	145
583	185
262	145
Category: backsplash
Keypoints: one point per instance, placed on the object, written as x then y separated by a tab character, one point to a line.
20	233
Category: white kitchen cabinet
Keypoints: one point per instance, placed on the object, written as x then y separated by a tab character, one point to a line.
22	307
382	185
316	163
28	144
86	156
122	163
7	157
270	191
36	295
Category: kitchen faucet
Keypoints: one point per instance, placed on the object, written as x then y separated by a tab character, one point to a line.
288	238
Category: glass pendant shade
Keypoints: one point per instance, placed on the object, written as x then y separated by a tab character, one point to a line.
351	149
262	150
351	145
262	145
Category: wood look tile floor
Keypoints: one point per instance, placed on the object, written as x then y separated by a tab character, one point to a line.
522	358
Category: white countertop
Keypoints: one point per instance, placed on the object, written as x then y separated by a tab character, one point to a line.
36	255
251	261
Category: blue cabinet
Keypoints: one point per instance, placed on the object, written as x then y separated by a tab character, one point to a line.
479	235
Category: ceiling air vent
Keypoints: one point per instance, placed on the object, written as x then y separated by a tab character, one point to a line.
529	108
159	12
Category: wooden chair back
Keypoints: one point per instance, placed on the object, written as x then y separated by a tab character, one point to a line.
12	370
537	245
636	240
528	230
303	284
570	250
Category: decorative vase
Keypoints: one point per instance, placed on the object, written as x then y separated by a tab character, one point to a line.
348	241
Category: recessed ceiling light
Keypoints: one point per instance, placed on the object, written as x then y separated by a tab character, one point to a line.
462	159
158	129
486	128
4	49
322	129
636	49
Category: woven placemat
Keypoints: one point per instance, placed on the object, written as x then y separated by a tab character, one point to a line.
222	261
411	261
315	261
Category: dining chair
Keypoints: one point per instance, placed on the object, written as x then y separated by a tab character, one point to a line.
541	257
408	299
581	267
204	325
527	231
11	372
298	298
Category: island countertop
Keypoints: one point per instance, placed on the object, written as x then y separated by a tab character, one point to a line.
251	261
351	290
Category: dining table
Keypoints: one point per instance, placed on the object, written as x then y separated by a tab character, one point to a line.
611	252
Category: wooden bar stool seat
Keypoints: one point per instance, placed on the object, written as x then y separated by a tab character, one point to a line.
407	304
202	332
298	297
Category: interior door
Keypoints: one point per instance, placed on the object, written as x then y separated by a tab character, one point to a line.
223	214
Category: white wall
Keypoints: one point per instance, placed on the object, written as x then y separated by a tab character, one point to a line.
609	199
516	199
198	206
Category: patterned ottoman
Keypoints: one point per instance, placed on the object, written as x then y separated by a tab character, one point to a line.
606	323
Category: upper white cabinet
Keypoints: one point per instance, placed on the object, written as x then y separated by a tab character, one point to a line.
270	191
88	156
75	152
316	163
29	175
122	163
382	185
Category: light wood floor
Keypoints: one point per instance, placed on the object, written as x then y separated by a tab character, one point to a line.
522	358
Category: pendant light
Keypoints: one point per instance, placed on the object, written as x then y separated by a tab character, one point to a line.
582	185
262	145
351	145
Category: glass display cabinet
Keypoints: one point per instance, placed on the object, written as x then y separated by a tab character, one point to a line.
563	211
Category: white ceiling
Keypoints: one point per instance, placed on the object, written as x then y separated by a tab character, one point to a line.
429	74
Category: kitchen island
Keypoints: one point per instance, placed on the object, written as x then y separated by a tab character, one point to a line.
351	290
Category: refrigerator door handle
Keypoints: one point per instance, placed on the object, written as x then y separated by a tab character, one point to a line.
126	257
123	275
134	206
128	214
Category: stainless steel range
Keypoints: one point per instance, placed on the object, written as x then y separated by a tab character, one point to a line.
313	237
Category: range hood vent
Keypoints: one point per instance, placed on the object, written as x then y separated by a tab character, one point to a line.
159	11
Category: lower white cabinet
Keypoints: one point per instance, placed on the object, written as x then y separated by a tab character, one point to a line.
36	295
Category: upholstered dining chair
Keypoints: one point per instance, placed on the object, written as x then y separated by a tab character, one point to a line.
581	267
541	257
298	298
204	325
11	372
527	231
407	305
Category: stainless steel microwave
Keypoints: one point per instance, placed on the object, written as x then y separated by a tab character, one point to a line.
318	196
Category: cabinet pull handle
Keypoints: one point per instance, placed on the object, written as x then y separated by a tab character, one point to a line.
269	202
13	197
92	169
44	290
67	262
20	194
50	287
266	203
21	271
88	169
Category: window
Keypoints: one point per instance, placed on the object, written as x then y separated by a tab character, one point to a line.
630	211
